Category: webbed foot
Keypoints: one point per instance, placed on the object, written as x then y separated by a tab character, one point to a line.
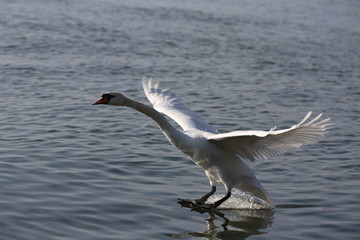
207	206
197	204
187	201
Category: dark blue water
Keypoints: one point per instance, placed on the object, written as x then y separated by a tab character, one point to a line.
70	170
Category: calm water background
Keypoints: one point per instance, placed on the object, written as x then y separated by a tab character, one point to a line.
70	170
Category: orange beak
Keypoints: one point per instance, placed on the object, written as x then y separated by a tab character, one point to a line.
101	101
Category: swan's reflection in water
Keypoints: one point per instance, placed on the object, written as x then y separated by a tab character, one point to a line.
233	223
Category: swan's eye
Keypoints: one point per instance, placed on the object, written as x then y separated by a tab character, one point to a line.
107	96
105	99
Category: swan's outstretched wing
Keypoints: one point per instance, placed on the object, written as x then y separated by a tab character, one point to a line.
254	145
167	103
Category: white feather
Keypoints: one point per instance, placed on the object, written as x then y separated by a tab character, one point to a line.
255	145
169	104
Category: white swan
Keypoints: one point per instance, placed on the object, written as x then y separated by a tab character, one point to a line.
220	155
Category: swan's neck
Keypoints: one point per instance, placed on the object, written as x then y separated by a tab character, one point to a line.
169	131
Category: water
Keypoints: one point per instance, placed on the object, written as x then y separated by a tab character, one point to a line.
70	170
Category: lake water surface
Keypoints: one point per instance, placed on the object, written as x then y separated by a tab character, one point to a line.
70	170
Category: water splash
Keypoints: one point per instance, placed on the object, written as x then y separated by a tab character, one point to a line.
241	200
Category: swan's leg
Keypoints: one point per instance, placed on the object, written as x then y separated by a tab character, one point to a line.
220	201
204	198
217	203
201	201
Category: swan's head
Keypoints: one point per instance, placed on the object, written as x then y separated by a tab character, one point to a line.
111	98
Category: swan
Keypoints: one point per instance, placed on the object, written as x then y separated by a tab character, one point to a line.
221	155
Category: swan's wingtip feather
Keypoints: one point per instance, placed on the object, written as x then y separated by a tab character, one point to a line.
156	85
314	120
144	84
150	84
305	118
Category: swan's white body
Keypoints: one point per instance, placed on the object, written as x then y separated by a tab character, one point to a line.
220	155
